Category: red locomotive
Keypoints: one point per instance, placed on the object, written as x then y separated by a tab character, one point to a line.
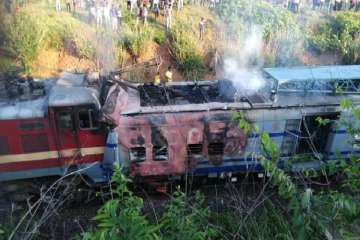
49	128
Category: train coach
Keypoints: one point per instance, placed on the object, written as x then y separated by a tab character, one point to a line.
161	132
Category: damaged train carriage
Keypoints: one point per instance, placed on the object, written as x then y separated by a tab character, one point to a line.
187	127
161	132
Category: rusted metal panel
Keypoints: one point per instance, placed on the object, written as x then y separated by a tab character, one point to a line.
176	132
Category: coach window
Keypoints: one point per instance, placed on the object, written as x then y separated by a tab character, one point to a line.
64	120
137	154
87	119
160	153
356	141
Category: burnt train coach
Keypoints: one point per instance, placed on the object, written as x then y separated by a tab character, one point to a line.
165	131
187	127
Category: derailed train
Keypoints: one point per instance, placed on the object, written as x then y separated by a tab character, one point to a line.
158	133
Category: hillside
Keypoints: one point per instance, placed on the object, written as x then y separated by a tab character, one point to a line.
63	40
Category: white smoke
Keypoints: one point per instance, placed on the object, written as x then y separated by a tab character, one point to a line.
244	70
105	51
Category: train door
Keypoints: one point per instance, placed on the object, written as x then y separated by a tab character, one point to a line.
91	136
66	134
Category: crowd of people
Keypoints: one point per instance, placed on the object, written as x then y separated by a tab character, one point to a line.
106	14
322	5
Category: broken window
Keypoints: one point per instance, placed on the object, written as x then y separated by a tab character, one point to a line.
290	139
87	119
137	154
194	149
160	153
216	148
64	120
313	137
356	141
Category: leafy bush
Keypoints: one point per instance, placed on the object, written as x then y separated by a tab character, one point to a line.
341	34
67	35
281	35
160	37
122	217
181	222
186	53
269	221
26	36
322	39
270	18
138	41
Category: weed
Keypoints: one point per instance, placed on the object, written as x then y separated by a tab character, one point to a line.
26	37
187	55
160	37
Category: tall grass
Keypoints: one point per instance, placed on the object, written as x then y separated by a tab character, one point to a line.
340	34
26	35
187	53
34	28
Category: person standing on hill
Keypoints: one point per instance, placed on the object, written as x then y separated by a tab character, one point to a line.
107	16
328	6
139	14
145	15
168	16
180	4
75	5
68	5
156	10
215	60
99	14
114	18
157	79
296	4
169	75
201	28
338	5
58	5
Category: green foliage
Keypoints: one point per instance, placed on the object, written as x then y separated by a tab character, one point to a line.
121	217
5	232
25	38
138	41
67	34
160	37
269	148
340	34
272	19
6	64
186	53
269	221
181	222
242	122
322	39
322	121
32	30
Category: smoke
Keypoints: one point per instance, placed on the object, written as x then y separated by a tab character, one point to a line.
105	51
101	37
244	70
